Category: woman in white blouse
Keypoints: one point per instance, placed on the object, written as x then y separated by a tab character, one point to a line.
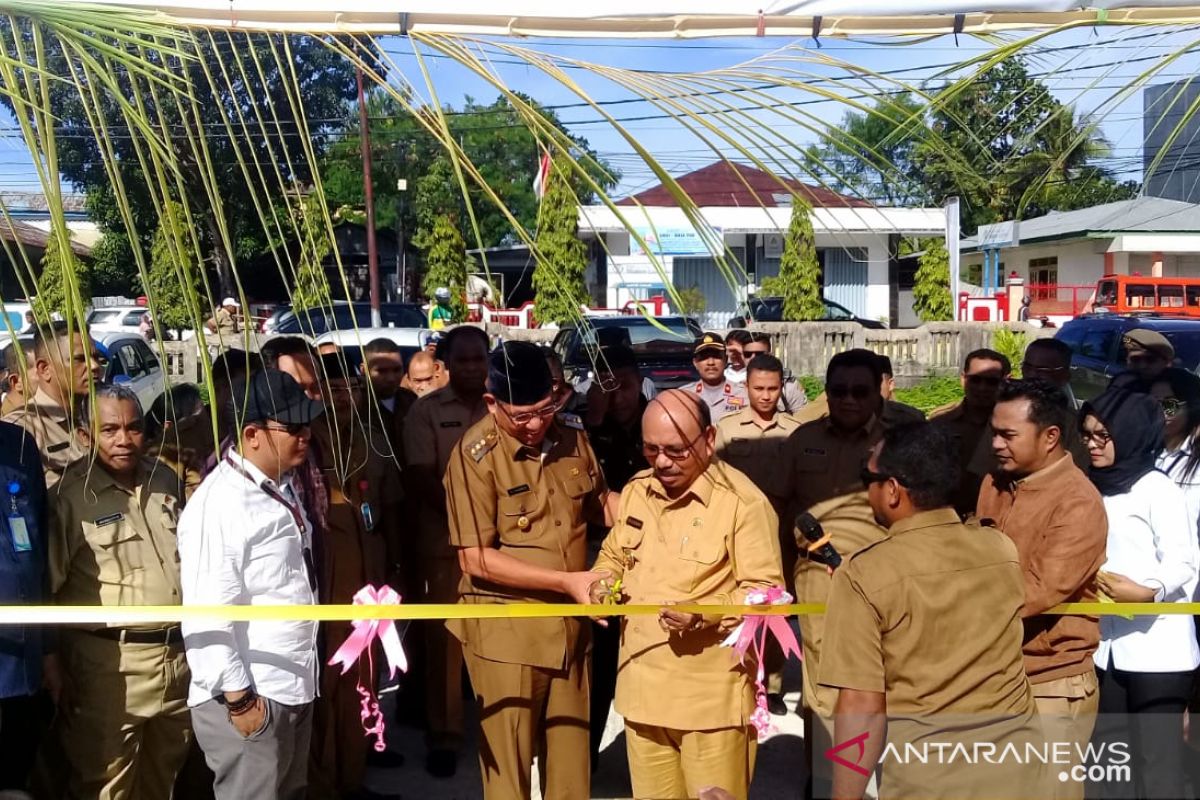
1178	392
1144	664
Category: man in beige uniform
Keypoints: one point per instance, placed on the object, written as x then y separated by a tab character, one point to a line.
689	531
224	322
520	490
825	458
924	637
64	368
754	441
723	397
432	431
124	724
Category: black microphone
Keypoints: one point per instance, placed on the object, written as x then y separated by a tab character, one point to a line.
811	530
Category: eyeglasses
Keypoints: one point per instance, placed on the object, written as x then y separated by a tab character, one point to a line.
868	477
1171	407
984	380
526	417
841	390
1034	369
651	451
1099	438
291	429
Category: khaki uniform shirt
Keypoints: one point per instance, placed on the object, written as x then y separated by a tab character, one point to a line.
931	617
826	466
434	426
111	546
534	506
722	400
12	402
710	545
225	323
894	413
52	429
758	451
1057	520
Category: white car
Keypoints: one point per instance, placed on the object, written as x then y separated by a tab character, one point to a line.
407	338
132	363
117	319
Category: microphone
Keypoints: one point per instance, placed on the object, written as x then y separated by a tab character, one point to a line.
812	531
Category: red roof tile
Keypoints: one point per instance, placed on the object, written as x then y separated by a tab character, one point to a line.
724	183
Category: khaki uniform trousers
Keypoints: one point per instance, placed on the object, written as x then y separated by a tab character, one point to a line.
1067	708
443	658
668	764
128	729
527	712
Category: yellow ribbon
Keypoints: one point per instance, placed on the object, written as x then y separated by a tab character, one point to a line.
141	615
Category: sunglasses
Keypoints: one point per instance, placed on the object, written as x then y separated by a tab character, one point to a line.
984	380
841	390
1171	407
869	477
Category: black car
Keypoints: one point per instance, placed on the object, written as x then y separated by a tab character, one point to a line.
1097	353
770	309
663	346
344	317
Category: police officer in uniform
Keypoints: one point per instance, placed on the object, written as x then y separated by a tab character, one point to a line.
825	457
902	675
432	432
124	719
520	489
723	397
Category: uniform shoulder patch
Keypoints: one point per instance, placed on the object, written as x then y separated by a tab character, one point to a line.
571	420
482	446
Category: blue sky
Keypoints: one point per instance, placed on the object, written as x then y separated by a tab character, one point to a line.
1084	67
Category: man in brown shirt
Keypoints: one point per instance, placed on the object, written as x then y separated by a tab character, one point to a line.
924	641
1055	516
434	427
967	421
688	531
521	487
64	368
825	458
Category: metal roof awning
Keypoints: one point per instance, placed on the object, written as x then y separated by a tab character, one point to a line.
903	221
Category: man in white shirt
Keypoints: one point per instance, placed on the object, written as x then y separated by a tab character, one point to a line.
245	539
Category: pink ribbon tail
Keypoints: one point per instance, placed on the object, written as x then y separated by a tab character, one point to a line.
752	634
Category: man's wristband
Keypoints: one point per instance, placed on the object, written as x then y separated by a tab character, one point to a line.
241	705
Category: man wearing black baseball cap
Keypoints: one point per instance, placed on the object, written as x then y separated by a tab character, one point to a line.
520	489
245	538
723	397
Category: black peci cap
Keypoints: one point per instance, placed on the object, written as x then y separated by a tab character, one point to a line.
518	374
273	395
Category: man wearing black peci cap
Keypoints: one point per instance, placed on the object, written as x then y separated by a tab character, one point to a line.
521	487
245	539
722	396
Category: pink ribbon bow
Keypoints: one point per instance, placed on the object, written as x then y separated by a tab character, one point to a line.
359	641
752	633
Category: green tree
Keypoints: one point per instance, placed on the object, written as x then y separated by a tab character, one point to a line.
439	238
691	301
327	84
54	296
113	268
931	286
1009	150
558	277
799	279
312	281
870	153
173	289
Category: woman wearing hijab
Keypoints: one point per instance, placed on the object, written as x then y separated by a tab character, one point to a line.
1145	664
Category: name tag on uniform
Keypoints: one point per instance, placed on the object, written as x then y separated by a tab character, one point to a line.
20	533
522	489
813	451
54	448
451	424
634	523
111	519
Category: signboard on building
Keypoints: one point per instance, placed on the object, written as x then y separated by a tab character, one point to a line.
672	241
1000	234
772	245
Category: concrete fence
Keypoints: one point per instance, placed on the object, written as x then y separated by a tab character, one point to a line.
935	348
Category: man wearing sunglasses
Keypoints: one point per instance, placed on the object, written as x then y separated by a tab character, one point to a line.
690	531
824	457
246	539
967	421
521	487
898	679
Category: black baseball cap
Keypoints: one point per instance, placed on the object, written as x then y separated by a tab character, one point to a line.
709	342
273	395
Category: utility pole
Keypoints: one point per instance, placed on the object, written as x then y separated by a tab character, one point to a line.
372	253
401	255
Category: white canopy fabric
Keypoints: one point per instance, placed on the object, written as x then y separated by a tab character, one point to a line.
658	18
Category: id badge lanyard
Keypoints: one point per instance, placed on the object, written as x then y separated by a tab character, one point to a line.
17	525
297	518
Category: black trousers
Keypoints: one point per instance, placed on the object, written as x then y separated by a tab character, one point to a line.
606	648
1145	709
24	722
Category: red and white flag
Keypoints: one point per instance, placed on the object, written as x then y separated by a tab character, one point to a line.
542	178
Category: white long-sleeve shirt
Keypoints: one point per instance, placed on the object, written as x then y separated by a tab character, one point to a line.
1152	541
238	545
